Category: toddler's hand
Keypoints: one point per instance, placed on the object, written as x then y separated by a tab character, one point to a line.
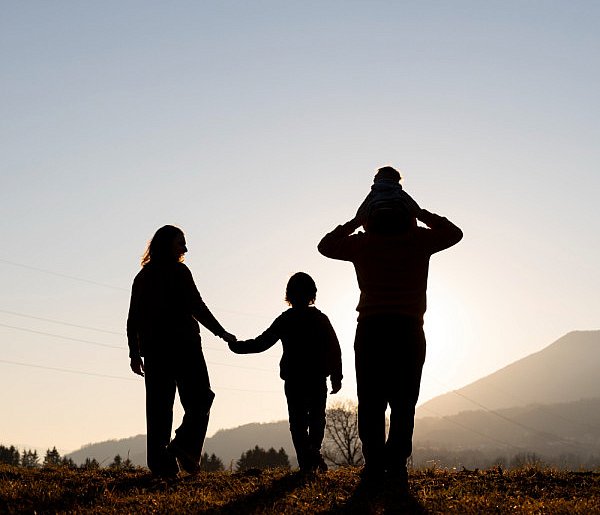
410	204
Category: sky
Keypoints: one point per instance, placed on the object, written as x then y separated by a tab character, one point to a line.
257	127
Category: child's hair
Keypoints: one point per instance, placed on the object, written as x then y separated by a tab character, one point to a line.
160	246
301	290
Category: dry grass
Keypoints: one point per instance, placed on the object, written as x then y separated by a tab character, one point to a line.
527	490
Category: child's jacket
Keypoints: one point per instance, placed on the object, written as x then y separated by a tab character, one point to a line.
310	346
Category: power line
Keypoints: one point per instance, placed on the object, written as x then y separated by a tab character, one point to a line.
67	370
544	434
122	378
69	324
471	430
105	285
543	408
65	276
112	286
508	419
14	313
119	347
62	337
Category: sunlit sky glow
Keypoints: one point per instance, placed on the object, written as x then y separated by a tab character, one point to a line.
257	127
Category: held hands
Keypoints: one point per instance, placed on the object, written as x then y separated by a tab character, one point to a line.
137	365
228	337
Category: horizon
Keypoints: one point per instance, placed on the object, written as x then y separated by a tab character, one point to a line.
481	408
257	129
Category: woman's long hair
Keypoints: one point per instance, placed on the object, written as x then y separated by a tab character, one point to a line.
160	247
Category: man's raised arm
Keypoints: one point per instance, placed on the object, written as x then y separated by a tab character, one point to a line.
443	233
336	244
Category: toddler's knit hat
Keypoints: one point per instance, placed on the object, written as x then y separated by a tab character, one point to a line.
387	173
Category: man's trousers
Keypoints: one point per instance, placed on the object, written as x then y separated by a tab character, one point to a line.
389	354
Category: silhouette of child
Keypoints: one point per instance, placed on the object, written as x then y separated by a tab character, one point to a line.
386	190
311	352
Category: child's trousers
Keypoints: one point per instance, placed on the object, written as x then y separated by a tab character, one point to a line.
306	401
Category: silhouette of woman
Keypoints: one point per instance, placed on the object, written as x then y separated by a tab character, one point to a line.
162	328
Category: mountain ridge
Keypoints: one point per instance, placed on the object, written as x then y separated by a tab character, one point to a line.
564	371
561	378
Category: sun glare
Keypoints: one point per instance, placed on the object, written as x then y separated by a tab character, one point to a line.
446	328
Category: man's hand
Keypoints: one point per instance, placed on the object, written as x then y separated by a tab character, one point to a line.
355	223
336	385
228	337
137	365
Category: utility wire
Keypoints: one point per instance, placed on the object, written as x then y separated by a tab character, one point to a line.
67	370
508	419
122	378
105	285
543	434
87	327
65	276
471	430
14	313
454	392
62	337
118	347
112	286
543	408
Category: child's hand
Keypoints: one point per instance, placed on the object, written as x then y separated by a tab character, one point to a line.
336	385
234	346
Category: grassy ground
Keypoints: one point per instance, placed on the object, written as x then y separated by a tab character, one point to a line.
105	491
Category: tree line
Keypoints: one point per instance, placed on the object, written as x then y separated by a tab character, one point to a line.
257	458
341	447
31	459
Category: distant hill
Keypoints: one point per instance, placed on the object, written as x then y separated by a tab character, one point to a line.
227	444
566	370
133	447
548	402
548	429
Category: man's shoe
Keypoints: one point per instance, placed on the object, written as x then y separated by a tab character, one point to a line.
185	460
397	478
320	465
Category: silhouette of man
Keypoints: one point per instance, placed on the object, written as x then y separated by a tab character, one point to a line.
391	260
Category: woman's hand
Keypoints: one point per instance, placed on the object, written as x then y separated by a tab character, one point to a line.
336	385
137	365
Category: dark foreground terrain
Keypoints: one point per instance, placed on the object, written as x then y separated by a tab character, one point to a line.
527	490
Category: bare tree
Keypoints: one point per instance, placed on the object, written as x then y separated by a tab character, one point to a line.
341	446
